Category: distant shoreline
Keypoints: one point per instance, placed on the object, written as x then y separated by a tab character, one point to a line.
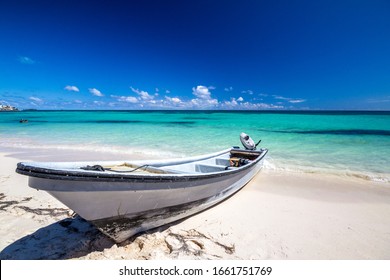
270	111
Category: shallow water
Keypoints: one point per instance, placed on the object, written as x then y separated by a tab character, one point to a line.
344	143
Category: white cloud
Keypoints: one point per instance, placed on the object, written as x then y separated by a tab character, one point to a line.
26	60
72	88
96	92
174	100
204	99
201	92
36	99
77	101
280	97
267	106
288	99
212	102
232	103
250	92
129	99
143	94
297	100
99	103
229	89
238	104
204	103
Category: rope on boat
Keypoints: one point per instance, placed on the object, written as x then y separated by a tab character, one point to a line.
102	169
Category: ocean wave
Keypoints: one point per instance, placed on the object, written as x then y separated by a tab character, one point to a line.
142	152
370	177
274	165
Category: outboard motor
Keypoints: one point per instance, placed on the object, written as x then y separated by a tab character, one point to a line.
247	142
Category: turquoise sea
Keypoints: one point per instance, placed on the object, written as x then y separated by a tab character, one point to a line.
343	143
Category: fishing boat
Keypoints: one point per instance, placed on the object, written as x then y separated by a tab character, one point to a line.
123	198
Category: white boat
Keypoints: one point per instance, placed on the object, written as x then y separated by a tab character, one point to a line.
124	198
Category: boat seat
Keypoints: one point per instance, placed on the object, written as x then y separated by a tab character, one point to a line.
175	171
222	161
206	168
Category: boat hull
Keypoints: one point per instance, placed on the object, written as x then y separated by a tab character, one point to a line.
124	204
122	214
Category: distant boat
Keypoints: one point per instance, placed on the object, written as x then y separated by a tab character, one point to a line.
23	121
123	198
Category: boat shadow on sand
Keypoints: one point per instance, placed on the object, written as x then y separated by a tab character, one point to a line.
65	239
75	238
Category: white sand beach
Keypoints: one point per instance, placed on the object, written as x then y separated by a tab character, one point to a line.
275	216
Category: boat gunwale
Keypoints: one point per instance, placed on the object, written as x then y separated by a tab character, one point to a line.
47	173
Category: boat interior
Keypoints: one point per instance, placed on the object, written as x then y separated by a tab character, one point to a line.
233	159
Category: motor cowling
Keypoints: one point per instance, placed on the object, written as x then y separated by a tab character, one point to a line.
247	142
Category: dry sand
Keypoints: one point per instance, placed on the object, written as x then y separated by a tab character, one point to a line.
275	216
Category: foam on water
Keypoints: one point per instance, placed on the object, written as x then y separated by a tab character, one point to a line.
119	150
270	164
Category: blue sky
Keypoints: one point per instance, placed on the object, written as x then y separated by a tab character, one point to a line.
195	54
